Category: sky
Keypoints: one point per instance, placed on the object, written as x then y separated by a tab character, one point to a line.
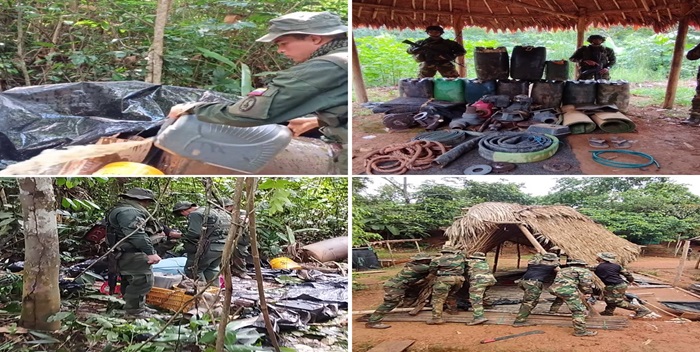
536	185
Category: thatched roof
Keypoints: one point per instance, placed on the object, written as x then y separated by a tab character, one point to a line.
522	14
484	226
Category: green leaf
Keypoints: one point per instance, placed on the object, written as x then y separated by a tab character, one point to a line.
60	316
246	84
45	338
212	55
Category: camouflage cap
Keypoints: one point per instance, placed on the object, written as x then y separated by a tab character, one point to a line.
139	193
478	255
576	262
552	257
607	256
318	23
421	256
182	205
226	202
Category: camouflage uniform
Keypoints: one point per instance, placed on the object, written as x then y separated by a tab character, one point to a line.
694	118
217	227
598	53
531	283
480	279
449	268
436	54
614	292
395	288
567	286
128	216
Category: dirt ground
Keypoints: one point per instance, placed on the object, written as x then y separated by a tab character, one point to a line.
649	335
659	133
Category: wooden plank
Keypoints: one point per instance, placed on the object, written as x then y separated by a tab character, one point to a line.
681	264
532	239
392	346
358	81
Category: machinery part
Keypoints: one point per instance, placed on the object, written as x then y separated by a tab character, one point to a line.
456	152
545	116
467	119
554	130
483	109
518	147
612	163
481	169
399	121
557	166
501	168
429	121
506	116
499	101
446	137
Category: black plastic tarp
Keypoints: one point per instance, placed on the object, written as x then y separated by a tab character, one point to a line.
41	117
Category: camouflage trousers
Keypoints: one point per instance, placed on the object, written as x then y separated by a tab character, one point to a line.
477	290
207	267
444	290
392	298
695	103
614	296
533	290
572	299
446	69
605	75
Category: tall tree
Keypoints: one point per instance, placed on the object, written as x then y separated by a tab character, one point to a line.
41	297
155	54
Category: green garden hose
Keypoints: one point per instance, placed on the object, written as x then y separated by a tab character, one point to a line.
607	162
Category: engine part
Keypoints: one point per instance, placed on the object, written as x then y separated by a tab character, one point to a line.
501	168
481	169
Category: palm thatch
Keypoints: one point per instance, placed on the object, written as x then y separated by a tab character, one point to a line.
522	14
485	226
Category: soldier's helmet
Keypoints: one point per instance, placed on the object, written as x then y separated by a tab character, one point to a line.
593	37
318	23
139	193
576	262
607	256
420	257
551	257
478	255
182	205
434	28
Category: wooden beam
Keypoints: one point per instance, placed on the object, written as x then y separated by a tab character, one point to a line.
517	246
532	239
463	13
358	83
681	265
676	63
459	27
535	8
495	260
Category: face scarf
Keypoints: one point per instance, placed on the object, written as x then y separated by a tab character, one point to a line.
330	46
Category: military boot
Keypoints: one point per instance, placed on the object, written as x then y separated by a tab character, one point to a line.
642	312
607	313
585	333
435	321
137	314
452	311
477	321
377	325
520	323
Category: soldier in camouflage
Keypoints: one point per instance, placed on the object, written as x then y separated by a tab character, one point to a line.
129	218
436	54
395	289
694	118
541	268
449	269
594	60
568	285
611	274
480	279
214	232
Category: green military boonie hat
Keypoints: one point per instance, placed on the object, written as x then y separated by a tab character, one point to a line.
607	256
179	206
478	255
421	256
139	193
227	202
552	257
319	23
576	262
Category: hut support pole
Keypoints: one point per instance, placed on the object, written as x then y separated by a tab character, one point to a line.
681	265
532	239
677	59
581	26
697	263
358	83
498	254
517	247
458	25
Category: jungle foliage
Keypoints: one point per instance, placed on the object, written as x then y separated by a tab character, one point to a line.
642	210
642	55
206	41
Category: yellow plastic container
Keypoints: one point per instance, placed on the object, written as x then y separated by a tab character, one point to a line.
128	168
284	263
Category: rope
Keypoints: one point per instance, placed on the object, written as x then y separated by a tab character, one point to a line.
621	164
397	159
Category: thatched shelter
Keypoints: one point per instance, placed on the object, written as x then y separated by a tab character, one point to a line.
511	15
486	226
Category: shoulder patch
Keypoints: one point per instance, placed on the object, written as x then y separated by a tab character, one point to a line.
247	103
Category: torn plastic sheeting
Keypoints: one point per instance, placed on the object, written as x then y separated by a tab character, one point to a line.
49	116
319	292
289	319
317	312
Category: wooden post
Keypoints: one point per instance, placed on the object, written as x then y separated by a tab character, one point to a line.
459	27
698	262
681	265
358	83
391	254
517	246
495	260
417	246
581	26
677	59
532	239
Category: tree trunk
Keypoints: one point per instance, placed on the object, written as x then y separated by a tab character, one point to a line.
41	297
155	55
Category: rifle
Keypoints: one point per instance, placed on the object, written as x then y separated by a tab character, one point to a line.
598	67
440	55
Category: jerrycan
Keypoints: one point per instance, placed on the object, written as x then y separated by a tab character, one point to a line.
449	89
